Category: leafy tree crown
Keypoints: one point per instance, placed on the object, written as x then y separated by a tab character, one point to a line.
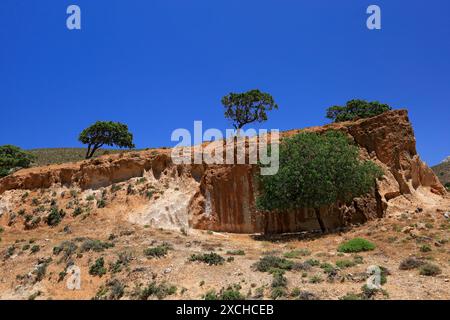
356	109
316	170
13	157
106	133
248	107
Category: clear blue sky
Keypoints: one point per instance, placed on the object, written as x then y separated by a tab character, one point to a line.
159	65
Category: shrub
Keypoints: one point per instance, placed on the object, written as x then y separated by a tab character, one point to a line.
95	245
55	216
344	264
316	170
236	252
157	252
277	292
77	211
35	248
410	263
229	293
208	258
425	248
297	253
68	248
101	203
429	269
12	158
159	290
356	109
267	263
98	268
356	245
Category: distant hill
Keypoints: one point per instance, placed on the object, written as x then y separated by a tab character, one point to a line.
442	171
62	155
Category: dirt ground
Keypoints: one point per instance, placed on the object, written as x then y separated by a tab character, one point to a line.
31	267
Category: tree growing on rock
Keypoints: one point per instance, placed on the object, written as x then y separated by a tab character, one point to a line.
247	107
356	109
107	133
12	157
316	170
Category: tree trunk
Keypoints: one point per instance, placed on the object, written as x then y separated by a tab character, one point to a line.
88	152
319	219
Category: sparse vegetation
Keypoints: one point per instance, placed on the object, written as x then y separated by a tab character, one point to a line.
98	268
429	269
208	258
266	263
410	263
13	158
55	216
356	245
158	251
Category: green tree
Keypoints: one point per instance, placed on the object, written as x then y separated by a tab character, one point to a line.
106	133
12	157
316	170
247	107
356	109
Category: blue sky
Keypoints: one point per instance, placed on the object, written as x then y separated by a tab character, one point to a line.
159	65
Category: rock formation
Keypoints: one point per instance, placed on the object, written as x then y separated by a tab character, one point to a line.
222	197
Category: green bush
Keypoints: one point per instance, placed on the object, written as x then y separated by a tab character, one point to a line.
208	258
55	216
35	248
159	290
356	109
297	253
98	268
429	269
95	245
356	245
268	263
344	264
157	252
12	157
316	170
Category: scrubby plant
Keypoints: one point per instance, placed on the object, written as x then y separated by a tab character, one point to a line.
55	216
236	252
356	245
316	170
158	251
267	263
344	264
98	268
13	158
410	263
68	248
211	258
35	248
429	269
425	248
297	253
154	289
95	245
356	109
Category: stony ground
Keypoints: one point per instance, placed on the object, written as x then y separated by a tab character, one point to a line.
95	243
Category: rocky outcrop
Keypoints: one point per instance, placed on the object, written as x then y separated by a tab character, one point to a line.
222	197
226	198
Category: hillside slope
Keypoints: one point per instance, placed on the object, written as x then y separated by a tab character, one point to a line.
442	171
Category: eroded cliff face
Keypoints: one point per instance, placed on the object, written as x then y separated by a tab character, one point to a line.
226	197
222	197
